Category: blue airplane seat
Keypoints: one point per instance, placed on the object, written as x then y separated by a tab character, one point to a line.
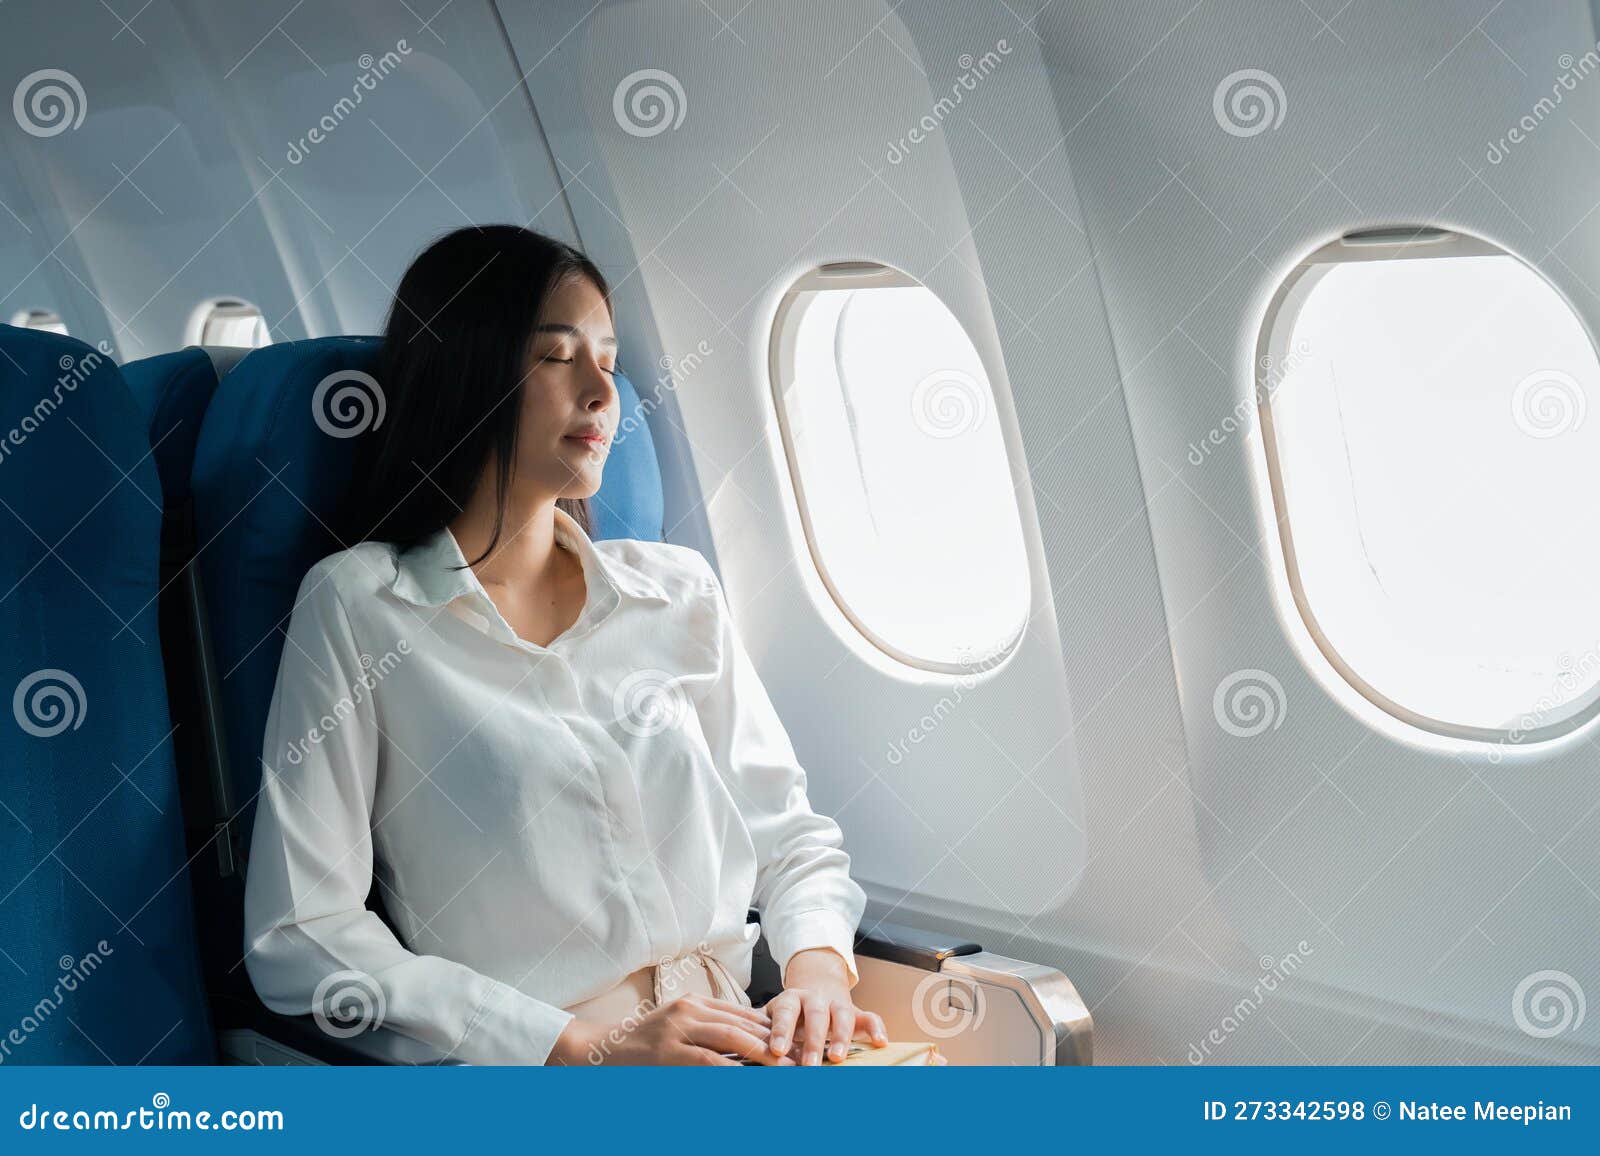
173	391
96	919
269	481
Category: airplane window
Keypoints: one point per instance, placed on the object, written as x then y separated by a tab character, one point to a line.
900	466
39	319
1424	401
228	321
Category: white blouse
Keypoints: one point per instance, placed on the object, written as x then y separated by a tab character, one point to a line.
542	821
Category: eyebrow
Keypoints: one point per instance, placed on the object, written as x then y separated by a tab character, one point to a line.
574	331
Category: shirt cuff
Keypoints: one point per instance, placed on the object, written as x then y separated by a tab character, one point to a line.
789	935
511	1028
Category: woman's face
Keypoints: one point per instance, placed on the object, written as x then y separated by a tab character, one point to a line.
569	401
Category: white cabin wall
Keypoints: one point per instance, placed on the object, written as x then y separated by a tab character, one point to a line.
125	202
1422	873
703	228
319	244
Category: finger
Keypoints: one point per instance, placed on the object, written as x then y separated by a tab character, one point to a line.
708	1058
785	1012
814	1021
869	1025
682	1016
761	1030
751	1015
842	1029
730	1040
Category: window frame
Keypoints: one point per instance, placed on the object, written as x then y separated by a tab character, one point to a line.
1403	243
203	313
860	274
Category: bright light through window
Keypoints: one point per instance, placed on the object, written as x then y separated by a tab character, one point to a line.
1434	454
40	319
230	322
901	467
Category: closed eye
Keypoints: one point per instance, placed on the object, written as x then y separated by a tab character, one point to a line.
568	361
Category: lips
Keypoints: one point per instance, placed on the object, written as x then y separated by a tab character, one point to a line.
593	441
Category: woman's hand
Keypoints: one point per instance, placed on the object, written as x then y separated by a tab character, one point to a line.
815	1010
692	1030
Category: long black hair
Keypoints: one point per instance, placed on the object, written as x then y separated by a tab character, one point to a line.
452	371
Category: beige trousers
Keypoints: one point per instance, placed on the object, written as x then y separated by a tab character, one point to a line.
642	991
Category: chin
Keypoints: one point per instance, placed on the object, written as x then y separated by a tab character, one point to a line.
585	483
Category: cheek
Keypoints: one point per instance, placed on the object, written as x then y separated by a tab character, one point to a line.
541	415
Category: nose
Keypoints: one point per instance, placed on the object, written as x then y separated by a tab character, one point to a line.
600	392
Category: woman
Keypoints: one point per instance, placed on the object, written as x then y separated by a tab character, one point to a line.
553	754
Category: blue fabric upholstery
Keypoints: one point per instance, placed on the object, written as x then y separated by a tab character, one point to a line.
173	390
268	483
95	911
629	504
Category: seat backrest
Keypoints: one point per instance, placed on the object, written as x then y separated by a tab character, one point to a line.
173	391
95	910
271	471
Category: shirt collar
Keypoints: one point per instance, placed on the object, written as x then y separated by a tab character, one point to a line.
434	571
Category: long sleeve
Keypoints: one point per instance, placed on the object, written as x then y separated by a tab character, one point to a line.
310	867
803	886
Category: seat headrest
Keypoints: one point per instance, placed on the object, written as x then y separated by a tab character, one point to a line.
74	431
629	503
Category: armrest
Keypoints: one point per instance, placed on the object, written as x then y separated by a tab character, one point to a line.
911	946
981	1007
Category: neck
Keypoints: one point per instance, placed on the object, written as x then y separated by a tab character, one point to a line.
527	546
